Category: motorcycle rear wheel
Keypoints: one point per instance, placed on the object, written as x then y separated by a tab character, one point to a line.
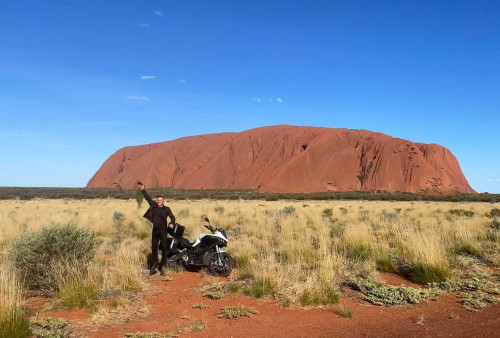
222	269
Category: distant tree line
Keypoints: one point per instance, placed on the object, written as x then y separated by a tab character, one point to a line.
22	193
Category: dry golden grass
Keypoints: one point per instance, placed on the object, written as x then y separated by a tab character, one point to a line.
296	251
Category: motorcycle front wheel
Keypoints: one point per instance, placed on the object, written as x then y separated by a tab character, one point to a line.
222	268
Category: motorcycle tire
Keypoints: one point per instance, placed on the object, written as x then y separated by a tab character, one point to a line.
220	270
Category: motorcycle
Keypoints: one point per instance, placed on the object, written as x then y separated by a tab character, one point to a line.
205	252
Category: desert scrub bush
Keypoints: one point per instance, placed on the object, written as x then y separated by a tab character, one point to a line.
261	288
379	293
476	301
235	312
337	229
461	212
473	281
327	213
424	274
495	212
324	295
34	255
468	248
389	216
219	209
213	289
49	327
12	320
139	198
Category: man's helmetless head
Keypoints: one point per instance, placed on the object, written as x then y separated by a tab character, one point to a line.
159	201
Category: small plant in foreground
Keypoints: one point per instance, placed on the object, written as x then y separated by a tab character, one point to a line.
420	320
213	290
200	306
50	327
12	320
346	313
145	335
197	327
476	301
234	312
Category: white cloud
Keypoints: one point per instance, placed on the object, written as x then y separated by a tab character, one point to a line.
279	99
148	77
137	98
491	179
159	13
257	99
144	25
182	81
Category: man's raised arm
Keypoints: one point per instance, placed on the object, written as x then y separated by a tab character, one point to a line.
147	197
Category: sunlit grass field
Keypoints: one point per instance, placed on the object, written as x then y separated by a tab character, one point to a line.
296	252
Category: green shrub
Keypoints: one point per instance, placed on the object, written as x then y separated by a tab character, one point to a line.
327	212
118	219
346	313
379	293
389	216
495	223
50	328
79	293
495	212
461	212
358	252
243	263
234	312
324	295
261	288
466	248
35	255
337	230
477	300
388	263
288	210
343	211
219	209
139	198
425	273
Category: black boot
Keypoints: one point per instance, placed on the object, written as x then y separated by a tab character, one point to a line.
152	271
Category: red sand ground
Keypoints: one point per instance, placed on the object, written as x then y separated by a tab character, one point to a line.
174	299
287	159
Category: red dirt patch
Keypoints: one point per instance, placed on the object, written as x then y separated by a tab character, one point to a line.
395	280
172	309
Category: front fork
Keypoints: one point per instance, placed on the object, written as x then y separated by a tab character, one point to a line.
219	255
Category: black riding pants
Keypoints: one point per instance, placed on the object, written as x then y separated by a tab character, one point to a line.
161	239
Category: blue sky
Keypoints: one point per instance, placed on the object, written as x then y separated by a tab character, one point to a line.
81	79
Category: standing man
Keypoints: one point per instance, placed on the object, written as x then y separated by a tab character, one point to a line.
157	214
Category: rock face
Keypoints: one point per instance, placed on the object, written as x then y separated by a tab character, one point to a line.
287	159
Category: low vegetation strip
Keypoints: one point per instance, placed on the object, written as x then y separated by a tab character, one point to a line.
25	193
379	293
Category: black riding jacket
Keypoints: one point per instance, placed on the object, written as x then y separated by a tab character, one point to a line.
158	216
